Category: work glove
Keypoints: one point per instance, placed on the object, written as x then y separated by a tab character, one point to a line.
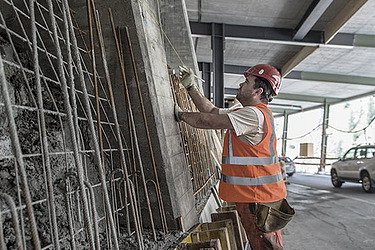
187	77
177	113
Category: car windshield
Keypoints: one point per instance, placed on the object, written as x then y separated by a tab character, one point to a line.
285	159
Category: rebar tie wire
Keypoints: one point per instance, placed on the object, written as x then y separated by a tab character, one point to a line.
12	206
91	124
18	153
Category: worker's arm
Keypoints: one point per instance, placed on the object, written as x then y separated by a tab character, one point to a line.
201	102
205	120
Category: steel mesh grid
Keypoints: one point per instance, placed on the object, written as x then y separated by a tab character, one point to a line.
54	232
196	147
67	225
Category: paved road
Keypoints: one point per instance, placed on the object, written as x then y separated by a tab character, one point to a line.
329	218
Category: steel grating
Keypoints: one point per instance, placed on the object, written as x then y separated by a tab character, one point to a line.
68	174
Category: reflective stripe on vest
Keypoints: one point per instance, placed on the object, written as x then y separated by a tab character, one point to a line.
239	160
235	160
245	181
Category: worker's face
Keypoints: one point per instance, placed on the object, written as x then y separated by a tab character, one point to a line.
246	92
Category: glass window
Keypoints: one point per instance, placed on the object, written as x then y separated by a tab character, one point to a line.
360	153
350	154
370	153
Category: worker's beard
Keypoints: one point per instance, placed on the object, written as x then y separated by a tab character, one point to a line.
239	96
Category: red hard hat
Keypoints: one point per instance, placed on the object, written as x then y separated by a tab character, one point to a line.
267	72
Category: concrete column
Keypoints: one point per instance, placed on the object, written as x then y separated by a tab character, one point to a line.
217	46
285	133
178	44
323	150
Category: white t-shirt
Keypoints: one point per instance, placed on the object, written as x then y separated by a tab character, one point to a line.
247	122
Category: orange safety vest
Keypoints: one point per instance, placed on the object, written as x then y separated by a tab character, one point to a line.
252	173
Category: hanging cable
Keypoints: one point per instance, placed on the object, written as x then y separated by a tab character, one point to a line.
298	137
355	131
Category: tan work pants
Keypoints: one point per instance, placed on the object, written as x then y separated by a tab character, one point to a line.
258	240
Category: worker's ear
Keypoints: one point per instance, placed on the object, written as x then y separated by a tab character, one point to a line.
258	91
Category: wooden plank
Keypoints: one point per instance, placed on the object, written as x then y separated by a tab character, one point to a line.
226	208
218	233
213	244
240	236
220	224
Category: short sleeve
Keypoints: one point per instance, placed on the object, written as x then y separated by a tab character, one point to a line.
231	109
247	120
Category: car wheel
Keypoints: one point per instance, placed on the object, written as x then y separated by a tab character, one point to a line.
290	174
366	183
335	179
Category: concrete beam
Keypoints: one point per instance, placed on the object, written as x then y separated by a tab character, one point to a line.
312	15
337	78
309	76
322	105
345	14
306	98
293	97
297	59
284	36
281	111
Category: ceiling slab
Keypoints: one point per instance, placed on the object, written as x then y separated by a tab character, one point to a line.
356	61
263	32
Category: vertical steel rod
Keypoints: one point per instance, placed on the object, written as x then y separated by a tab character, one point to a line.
93	62
9	201
68	202
68	110
44	139
112	101
18	153
127	98
94	214
158	193
91	125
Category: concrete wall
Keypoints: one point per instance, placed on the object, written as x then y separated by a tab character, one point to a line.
174	174
141	17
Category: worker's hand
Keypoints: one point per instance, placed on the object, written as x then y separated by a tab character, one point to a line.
187	77
177	113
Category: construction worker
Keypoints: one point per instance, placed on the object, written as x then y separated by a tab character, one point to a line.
251	172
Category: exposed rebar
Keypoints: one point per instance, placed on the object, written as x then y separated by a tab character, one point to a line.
44	138
145	122
91	124
73	135
18	153
10	203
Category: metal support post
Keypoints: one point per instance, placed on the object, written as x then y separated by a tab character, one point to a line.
206	75
217	46
323	150
285	133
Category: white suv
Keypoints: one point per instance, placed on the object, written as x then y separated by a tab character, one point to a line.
357	165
